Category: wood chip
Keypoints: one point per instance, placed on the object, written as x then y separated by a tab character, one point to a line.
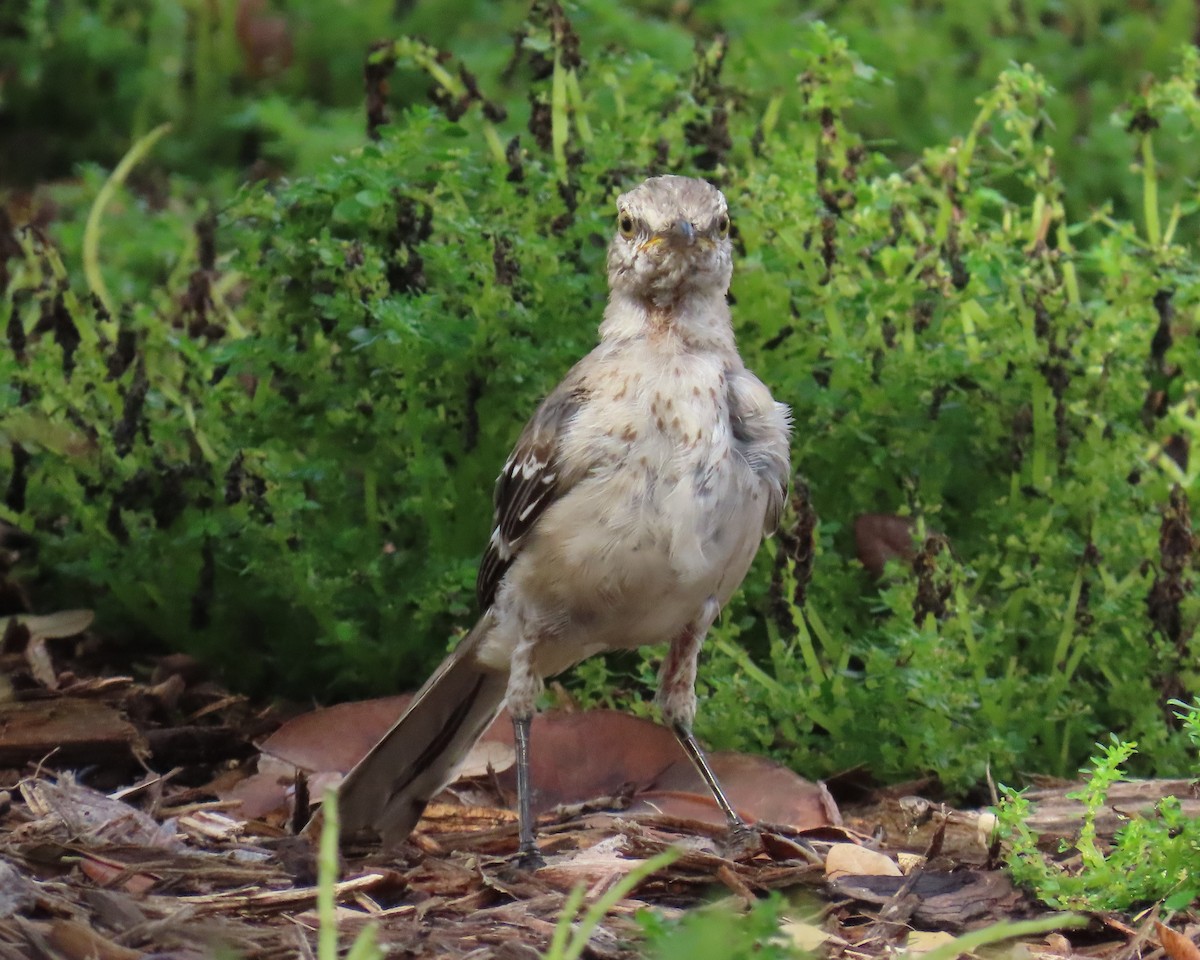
235	900
91	815
75	941
73	730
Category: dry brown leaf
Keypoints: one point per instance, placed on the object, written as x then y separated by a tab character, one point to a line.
260	795
334	738
1178	946
759	789
880	537
1056	945
485	756
851	860
578	757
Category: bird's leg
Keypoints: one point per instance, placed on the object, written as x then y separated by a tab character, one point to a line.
677	699
524	686
528	851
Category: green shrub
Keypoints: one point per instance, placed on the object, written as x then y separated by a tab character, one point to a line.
287	448
1150	858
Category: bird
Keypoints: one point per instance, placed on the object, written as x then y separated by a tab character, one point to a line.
628	513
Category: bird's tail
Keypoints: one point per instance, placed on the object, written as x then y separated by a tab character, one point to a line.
388	789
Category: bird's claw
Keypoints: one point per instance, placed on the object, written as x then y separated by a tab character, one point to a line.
529	858
742	842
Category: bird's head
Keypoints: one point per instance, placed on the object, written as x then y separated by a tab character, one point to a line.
672	240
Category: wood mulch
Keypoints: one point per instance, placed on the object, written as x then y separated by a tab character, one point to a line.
122	836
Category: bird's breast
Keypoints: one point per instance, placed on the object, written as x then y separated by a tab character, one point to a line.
668	515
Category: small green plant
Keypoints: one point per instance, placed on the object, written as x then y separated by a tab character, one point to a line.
1154	858
364	946
569	941
760	934
712	933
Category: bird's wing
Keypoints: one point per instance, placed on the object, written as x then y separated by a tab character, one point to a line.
761	430
533	478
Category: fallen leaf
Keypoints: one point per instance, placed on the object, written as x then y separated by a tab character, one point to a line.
759	789
943	900
334	738
576	757
880	537
1178	946
485	756
260	795
785	848
851	860
52	626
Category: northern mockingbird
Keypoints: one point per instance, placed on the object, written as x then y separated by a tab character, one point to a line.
628	513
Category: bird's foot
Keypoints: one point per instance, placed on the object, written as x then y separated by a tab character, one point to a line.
742	842
529	857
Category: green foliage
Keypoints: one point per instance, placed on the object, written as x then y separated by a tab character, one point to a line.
1151	859
243	81
715	933
1095	53
570	940
284	436
279	84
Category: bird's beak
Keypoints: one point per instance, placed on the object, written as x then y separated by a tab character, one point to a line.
681	233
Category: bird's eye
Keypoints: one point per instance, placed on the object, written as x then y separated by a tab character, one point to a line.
625	225
723	226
